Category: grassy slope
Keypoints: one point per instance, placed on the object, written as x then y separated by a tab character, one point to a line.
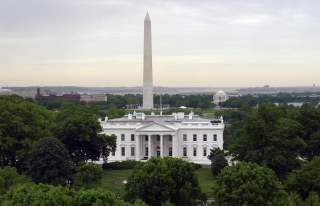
112	180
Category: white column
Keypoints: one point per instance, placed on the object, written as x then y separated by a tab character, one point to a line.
149	147
175	147
138	149
161	146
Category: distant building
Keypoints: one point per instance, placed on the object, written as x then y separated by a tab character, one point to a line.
64	97
220	97
93	98
5	91
140	136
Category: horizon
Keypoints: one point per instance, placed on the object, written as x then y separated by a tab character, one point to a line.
97	43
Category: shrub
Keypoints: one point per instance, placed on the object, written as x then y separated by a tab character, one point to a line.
87	174
10	178
124	165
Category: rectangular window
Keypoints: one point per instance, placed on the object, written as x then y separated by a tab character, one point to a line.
146	138
204	137
113	153
123	151
215	137
204	151
122	137
194	151
170	151
132	151
194	137
184	137
146	152
132	137
185	152
158	138
170	138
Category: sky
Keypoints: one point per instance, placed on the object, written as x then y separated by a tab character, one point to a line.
216	43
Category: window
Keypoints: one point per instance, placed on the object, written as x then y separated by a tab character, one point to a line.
123	151
194	151
184	137
158	138
170	151
170	138
185	152
122	137
132	151
204	137
146	152
215	137
132	137
113	153
147	138
204	151
194	137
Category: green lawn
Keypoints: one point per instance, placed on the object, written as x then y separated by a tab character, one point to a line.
112	180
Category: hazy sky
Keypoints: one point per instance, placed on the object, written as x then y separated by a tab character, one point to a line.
195	42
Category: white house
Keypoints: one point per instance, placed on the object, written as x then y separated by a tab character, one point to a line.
141	136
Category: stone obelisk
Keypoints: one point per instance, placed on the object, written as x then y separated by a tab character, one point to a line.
147	65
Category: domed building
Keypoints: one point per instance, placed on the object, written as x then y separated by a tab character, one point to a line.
219	97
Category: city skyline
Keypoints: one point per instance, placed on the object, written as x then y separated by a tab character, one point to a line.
208	43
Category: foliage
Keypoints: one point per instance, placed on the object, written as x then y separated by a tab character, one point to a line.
312	200
309	117
248	184
218	161
271	137
123	165
21	123
31	194
165	179
10	178
79	129
305	179
87	174
50	162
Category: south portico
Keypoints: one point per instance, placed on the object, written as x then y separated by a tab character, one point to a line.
155	139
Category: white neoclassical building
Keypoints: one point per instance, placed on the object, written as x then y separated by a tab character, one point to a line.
141	136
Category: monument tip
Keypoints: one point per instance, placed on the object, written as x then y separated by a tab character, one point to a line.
147	18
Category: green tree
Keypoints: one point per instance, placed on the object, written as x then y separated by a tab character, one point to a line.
50	162
270	137
309	118
248	184
79	129
87	174
218	161
10	178
165	179
21	123
306	179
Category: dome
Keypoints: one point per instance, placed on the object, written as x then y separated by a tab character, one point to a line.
219	97
220	94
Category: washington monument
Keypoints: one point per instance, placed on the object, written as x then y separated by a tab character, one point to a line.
147	65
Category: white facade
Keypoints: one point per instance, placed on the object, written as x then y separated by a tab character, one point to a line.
141	136
147	65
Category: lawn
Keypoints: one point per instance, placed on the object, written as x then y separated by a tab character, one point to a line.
112	180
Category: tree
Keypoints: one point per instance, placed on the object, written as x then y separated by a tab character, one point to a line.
270	137
87	174
21	123
50	162
10	178
309	118
248	184
160	180
218	161
306	179
79	129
